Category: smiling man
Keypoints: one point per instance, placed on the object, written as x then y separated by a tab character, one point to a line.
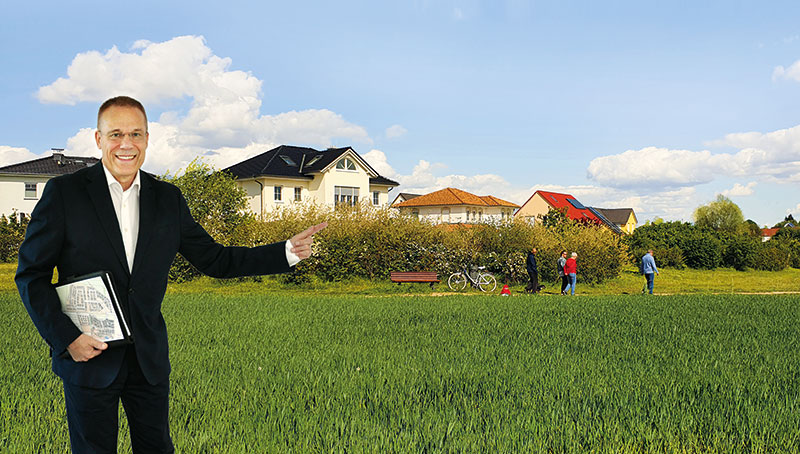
113	217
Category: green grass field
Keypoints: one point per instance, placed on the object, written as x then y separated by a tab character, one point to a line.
281	372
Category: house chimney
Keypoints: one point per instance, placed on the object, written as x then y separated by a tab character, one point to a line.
58	155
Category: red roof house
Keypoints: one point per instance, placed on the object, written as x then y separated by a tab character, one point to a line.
542	201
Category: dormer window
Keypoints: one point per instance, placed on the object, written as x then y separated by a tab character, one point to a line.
314	159
288	160
345	164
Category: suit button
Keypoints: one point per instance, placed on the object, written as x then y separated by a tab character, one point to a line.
130	291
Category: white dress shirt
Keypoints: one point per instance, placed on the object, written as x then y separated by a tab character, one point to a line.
126	206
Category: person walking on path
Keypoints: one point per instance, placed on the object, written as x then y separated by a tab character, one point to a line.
571	269
649	270
562	260
533	272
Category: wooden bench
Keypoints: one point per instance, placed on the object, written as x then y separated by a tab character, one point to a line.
415	276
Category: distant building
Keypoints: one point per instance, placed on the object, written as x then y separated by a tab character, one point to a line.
21	185
454	206
767	234
541	202
288	174
624	218
402	197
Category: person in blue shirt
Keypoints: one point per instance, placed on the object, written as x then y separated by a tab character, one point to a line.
649	270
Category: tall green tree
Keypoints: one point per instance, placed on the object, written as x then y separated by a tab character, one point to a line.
721	215
216	203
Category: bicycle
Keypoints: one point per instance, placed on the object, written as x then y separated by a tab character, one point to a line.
482	280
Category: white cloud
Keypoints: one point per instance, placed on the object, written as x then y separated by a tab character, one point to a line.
790	73
653	166
739	191
223	120
15	155
772	156
377	160
395	131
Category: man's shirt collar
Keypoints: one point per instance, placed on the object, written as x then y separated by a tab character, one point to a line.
111	181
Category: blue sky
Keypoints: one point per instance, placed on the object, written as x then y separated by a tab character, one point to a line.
657	106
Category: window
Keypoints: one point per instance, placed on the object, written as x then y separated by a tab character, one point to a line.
298	194
288	160
314	159
376	198
345	194
30	190
415	212
278	193
345	164
445	214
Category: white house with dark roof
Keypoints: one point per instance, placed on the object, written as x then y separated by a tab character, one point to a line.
22	184
287	174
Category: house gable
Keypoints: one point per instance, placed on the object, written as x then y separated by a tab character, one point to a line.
275	177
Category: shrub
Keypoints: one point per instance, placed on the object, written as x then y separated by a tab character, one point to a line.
364	242
738	251
771	257
12	233
217	204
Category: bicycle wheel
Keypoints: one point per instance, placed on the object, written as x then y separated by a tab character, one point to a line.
487	283
457	282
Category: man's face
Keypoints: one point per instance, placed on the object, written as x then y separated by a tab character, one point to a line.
534	251
564	254
122	136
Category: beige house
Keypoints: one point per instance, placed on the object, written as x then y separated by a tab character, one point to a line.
21	185
454	206
618	220
624	218
287	175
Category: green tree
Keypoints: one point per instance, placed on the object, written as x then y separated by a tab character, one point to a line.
216	203
751	228
789	219
721	215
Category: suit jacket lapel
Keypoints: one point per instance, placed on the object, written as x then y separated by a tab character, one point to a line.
101	199
147	217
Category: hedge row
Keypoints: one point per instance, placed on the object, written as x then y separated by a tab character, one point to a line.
365	242
680	244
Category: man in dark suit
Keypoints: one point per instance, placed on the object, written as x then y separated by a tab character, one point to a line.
533	272
113	217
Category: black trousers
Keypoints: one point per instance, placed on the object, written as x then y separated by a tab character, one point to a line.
564	282
533	285
92	413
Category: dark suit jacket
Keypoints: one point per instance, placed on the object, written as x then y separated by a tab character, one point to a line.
74	228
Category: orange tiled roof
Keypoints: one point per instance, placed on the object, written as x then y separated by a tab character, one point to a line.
769	232
453	196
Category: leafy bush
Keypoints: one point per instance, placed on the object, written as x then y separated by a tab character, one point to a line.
739	251
12	232
216	203
771	257
364	242
789	238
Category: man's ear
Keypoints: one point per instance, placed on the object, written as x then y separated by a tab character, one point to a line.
97	138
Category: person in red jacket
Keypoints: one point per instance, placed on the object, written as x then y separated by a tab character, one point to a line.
571	270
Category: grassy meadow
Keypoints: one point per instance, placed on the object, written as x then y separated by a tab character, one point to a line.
297	372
